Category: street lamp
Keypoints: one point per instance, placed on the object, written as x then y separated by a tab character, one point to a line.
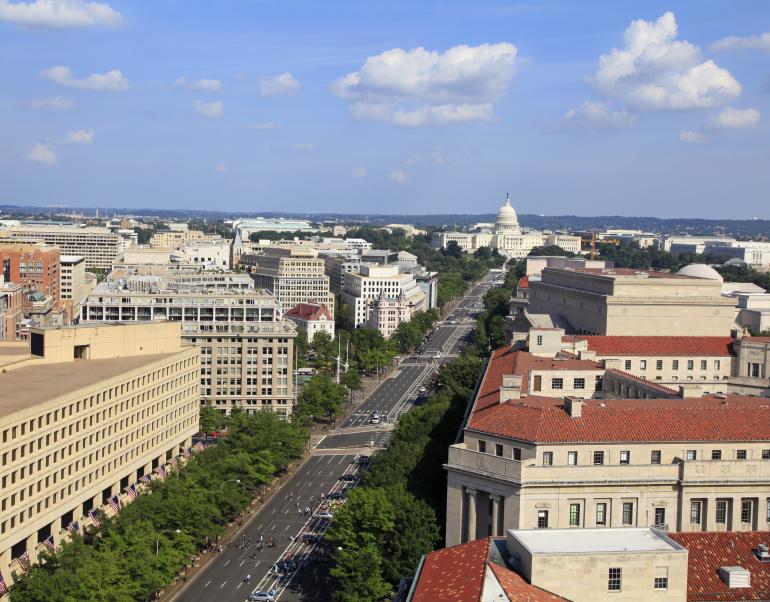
222	485
157	539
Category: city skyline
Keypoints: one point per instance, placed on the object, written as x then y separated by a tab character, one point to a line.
601	109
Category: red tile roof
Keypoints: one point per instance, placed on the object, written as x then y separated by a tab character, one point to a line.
667	391
309	312
544	420
457	574
711	550
656	345
523	282
509	361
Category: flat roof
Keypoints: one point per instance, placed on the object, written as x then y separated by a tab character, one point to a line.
593	541
40	382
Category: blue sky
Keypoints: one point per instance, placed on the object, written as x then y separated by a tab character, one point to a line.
590	107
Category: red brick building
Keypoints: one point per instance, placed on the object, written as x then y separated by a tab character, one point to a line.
35	267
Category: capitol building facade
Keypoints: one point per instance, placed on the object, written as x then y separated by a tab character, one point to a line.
506	237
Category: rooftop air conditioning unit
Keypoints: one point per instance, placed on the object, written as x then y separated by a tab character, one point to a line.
762	553
735	576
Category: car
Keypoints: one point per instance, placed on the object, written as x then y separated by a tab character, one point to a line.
309	538
436	356
422	389
268	596
375	419
348	477
336	495
325	515
364	460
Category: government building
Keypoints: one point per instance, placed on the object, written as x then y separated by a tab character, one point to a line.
507	237
85	412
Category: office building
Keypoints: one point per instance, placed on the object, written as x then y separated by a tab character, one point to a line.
337	265
246	347
85	412
35	267
263	224
293	274
388	312
175	238
208	254
99	246
11	313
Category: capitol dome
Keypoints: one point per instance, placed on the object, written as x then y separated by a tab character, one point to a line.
700	270
507	220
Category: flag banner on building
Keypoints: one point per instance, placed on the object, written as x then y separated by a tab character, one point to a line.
200	446
73	527
132	492
115	503
174	461
186	452
147	479
161	472
48	543
3	586
24	562
94	516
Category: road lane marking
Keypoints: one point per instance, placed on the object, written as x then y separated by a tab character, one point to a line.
207	583
223	584
226	563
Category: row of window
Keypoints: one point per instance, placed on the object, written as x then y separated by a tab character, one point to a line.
747	509
717	364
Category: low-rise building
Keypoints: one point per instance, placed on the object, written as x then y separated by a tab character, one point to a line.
312	318
388	312
35	267
211	254
11	312
86	412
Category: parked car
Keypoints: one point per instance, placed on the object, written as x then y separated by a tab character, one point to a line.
375	418
348	477
309	538
364	460
325	515
268	596
336	495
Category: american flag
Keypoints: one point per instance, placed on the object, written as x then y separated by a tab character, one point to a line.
48	543
3	586
146	479
174	461
114	503
161	472
24	562
73	527
94	516
200	446
186	452
132	492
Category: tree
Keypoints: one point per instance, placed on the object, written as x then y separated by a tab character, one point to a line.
351	379
321	396
211	420
324	349
453	249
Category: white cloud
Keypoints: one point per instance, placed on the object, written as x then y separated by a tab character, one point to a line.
55	103
436	156
398	176
731	118
209	109
60	14
655	71
279	85
760	42
85	136
41	153
597	116
201	85
304	147
112	81
266	125
692	137
419	87
220	168
358	173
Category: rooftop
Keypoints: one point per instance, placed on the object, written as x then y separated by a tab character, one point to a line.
593	541
309	311
708	551
616	273
656	345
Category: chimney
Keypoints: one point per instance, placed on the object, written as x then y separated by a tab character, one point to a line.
511	387
687	391
587	355
762	553
574	406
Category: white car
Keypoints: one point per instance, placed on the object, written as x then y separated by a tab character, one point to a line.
375	419
263	596
436	356
326	515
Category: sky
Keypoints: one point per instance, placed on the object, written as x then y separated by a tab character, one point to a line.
387	106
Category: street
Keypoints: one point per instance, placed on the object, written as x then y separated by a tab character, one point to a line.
333	456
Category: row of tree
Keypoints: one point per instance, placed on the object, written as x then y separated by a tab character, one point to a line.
398	512
140	550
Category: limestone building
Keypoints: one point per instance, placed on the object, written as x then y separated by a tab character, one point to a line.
99	246
84	412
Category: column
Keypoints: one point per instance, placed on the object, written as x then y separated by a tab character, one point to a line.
471	534
5	562
495	514
32	547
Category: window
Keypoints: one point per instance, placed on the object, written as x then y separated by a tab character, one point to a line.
598	457
659	364
675	365
517	453
542	519
716	454
655	456
767	517
614	579
572	458
721	512
755	370
717	364
557	383
498	449
628	364
547	458
574	515
695	513
740	454
690	364
483	446
538	384
540	339
642	364
766	454
625	457
628	513
660	517
704	365
661	583
691	454
747	510
601	513
579	383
